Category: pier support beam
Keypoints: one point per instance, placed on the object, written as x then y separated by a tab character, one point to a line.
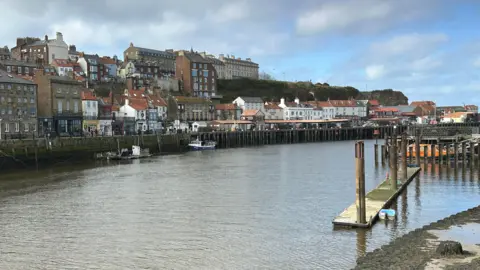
375	149
360	181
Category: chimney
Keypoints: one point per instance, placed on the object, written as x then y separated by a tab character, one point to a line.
282	101
221	56
239	58
46	38
131	44
59	36
233	56
297	100
249	59
72	48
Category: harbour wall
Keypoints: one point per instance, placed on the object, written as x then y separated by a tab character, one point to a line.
42	152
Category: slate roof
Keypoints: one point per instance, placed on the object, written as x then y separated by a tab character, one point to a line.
196	57
9	78
152	51
17	63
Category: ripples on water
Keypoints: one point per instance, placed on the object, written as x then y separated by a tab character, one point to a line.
250	208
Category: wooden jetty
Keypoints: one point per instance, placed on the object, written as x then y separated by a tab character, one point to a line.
379	198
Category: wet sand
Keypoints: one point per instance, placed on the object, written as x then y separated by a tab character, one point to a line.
416	250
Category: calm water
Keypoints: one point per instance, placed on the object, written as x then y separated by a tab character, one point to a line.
250	208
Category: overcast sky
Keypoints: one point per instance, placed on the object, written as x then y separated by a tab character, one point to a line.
429	49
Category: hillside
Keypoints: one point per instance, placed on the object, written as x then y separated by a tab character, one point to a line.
271	90
387	97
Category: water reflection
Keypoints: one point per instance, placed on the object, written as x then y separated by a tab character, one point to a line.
361	242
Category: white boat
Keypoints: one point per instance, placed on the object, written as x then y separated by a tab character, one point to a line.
135	153
387	214
200	145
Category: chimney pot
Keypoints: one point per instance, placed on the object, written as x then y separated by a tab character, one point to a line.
46	38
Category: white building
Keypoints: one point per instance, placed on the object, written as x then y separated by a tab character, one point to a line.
328	110
273	111
349	107
57	48
160	106
62	66
136	108
89	105
297	111
249	103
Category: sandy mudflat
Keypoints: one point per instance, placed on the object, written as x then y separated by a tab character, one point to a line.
416	250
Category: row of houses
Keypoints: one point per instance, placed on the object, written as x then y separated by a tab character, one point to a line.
173	70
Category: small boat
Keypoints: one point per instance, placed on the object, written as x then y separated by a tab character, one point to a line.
387	214
199	145
135	153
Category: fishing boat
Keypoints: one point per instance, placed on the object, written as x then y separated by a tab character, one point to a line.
387	214
202	145
135	153
436	152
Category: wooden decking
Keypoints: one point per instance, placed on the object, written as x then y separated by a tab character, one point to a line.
375	200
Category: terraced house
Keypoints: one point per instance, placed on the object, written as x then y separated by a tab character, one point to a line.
59	105
18	107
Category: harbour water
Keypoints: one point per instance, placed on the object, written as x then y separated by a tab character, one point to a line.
267	207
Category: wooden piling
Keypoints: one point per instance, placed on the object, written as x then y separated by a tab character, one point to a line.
417	150
455	153
404	145
393	166
383	152
375	149
432	153
440	153
425	154
360	181
464	153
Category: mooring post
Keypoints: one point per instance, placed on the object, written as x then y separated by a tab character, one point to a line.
455	153
404	158
410	154
360	181
383	152
375	149
417	150
464	153
425	154
440	153
432	152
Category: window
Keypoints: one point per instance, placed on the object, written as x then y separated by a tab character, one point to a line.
194	73
9	69
195	86
17	127
19	100
2	111
68	105
27	70
9	86
34	127
194	65
2	86
88	104
32	100
7	127
2	99
205	73
59	106
33	112
75	106
26	127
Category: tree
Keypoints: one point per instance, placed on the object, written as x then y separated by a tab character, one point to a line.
265	76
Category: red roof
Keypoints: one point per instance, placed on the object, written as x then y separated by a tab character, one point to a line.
272	106
157	101
385	110
138	104
374	102
250	112
62	63
107	61
343	103
225	107
88	95
419	103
